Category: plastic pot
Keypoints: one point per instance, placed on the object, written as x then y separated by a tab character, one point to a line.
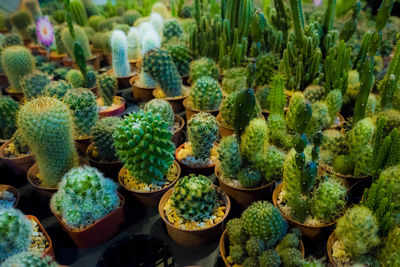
56	57
187	169
224	129
33	47
19	165
190	111
82	143
13	190
44	192
141	93
175	102
123	82
94	61
329	244
18	96
177	133
120	107
136	64
49	251
109	169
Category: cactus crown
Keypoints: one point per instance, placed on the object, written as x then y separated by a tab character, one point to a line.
34	84
194	198
119	44
29	259
172	28
107	88
203	67
206	94
103	139
84	197
162	108
8	113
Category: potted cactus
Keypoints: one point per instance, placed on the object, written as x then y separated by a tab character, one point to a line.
234	80
194	211
109	104
88	206
101	153
261	238
21	20
60	51
134	53
164	109
57	89
203	67
181	56
33	84
9	196
29	259
199	154
8	113
149	169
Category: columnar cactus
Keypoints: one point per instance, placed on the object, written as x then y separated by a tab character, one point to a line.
82	103
21	20
163	108
103	139
60	48
194	198
157	21
8	112
34	9
29	259
180	54
107	88
84	197
80	37
34	84
47	126
203	67
229	157
172	28
153	151
17	61
119	44
296	99
206	94
130	16
78	12
334	101
202	133
133	44
75	78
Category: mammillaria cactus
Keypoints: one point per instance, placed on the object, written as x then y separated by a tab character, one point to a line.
17	61
206	94
107	88
80	37
78	12
163	108
103	139
75	78
159	65
253	139
21	20
290	257
236	232
12	39
133	39
291	240
25	259
249	177
234	79
57	89
119	45
15	233
130	16
82	103
194	198
237	253
269	258
84	197
172	28
202	133
203	67
266	68
34	84
229	157
180	54
143	143
8	113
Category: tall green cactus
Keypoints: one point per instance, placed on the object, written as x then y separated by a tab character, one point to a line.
350	26
78	12
107	88
119	44
281	19
80	37
391	80
21	20
367	78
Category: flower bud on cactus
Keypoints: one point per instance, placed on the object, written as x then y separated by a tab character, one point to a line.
75	78
206	94
236	232
162	108
249	177
29	259
8	113
203	67
229	157
34	84
102	135
119	45
269	258
253	139
107	88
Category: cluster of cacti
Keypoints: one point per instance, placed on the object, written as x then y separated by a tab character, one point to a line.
29	259
107	88
234	79
80	37
162	108
84	197
146	155
130	16
21	20
8	113
119	45
34	84
180	54
203	67
172	28
206	94
103	139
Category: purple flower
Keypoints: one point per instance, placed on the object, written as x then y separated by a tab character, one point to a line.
317	2
44	31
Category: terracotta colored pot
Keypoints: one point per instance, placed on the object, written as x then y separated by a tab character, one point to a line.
13	190
141	93
94	61
3	79
100	231
175	102
224	129
42	51
244	196
190	111
109	169
136	64
56	57
186	169
120	107
224	248
67	62
33	47
18	96
19	165
82	144
329	244
148	199
340	121
194	238
123	82
45	192
314	233
49	251
177	137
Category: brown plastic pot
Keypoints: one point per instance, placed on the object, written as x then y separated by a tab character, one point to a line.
177	133
139	92
120	107
123	82
82	143
56	57
49	251
224	129
33	47
314	233
100	231
244	196
198	237
186	169
224	248
45	192
329	245
136	64
109	169
19	165
152	198
93	89
190	111
97	52
175	102
13	190
94	61
18	96
340	121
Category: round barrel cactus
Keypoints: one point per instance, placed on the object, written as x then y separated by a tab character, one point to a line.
162	108
103	139
206	94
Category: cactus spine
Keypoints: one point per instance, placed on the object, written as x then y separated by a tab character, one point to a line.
119	44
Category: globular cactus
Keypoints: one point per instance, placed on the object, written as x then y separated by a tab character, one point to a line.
206	94
17	62
12	39
34	84
314	93
180	54
90	78
389	254
291	240
250	262
60	16
236	232
254	246
84	197
320	118
103	139
163	108
133	39
119	44
277	132
234	79
106	43
97	41
47	126
202	133
91	8
60	48
21	20
249	177
172	28
237	253
267	65
269	258
108	86
146	155
343	164
82	103
161	9
29	259
34	9
94	21
80	37
57	89
75	78
357	231
8	113
229	157
334	141
334	101
186	11
159	65
290	257
108	24
296	99
89	32
194	198
270	163
253	139
78	12
16	233
262	220
203	67
130	16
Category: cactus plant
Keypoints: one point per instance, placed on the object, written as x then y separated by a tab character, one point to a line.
334	141
108	24
34	84
389	254
57	89
253	139
60	48
60	16
236	232
237	253
91	8
31	29
290	257
47	125
80	37
172	28
320	118
291	240
133	39
12	39
23	259
34	9
162	108
234	79
17	61
157	21
103	139
130	16
180	54
254	246
75	78
229	157
206	94
84	197
107	88
78	12
249	177
21	20
266	68
119	44
334	101
149	39
290	117
145	162
94	21
194	198
269	258
161	9
270	163
314	93
8	112
343	164
203	67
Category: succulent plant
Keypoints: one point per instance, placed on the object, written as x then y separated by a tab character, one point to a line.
133	39
130	16
290	257
157	21
17	62
21	20
180	54
388	254
250	262
172	28
290	240
160	8
249	177
270	163
194	198
80	37
229	157
60	16
237	253
16	232
266	68
334	140
186	11
8	113
82	103
202	133
103	139
253	139
314	93
25	259
34	84
78	12
90	78
119	45
206	94
20	144
108	24
12	39
343	164
269	258
47	126
107	88
75	78
254	246
31	29
334	101
203	67
234	79
60	48
236	232
277	132
91	8
296	99
84	197
320	118
163	108
146	154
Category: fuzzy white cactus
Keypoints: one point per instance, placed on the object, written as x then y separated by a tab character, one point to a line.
133	44
119	45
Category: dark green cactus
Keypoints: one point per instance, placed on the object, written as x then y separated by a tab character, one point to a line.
180	54
172	28
243	110
8	113
102	135
78	12
162	108
107	88
350	26
34	84
12	39
367	77
206	94
249	177
130	16
21	20
57	89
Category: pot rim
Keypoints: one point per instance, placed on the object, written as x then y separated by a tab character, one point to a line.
329	245
122	102
134	82
29	173
88	154
181	122
176	98
5	145
14	191
186	104
186	165
49	250
221	124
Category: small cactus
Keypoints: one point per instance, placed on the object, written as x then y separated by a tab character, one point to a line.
253	139
162	108
8	113
206	94
34	84
75	78
103	139
314	93
249	177
107	88
57	89
234	79
269	258
203	67
172	28
119	45
229	157
29	259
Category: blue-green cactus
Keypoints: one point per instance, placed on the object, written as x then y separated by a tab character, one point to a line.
57	89
180	54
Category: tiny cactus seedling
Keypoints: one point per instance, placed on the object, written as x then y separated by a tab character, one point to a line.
163	108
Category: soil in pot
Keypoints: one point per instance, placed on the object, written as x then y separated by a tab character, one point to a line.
190	164
109	169
177	101
191	111
41	242
18	163
179	123
9	196
116	108
224	129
